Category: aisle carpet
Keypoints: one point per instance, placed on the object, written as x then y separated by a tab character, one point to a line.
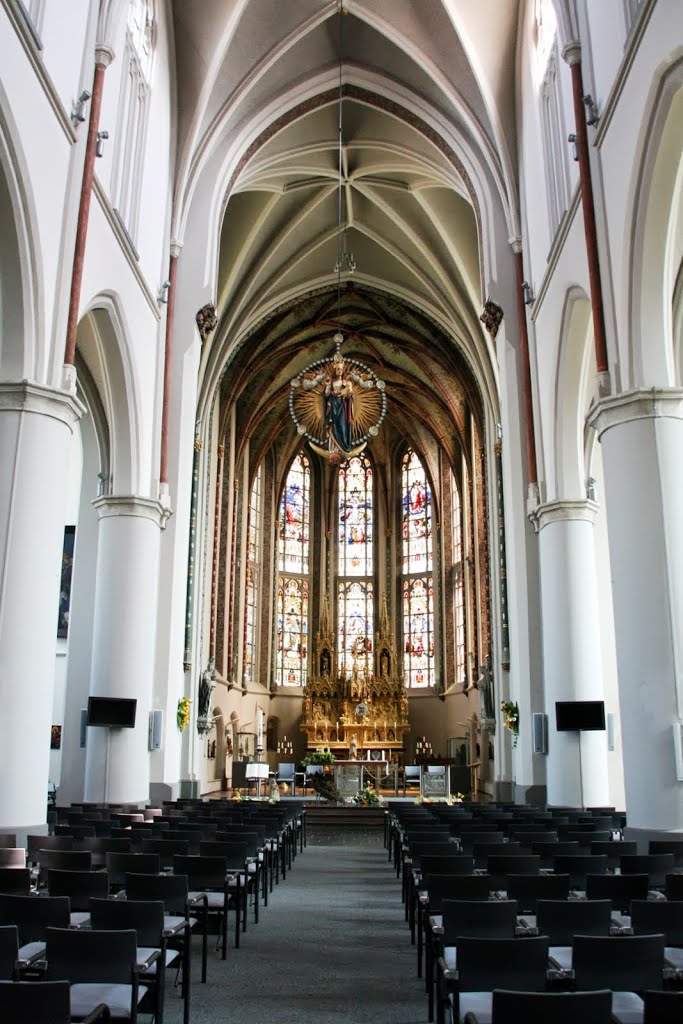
331	946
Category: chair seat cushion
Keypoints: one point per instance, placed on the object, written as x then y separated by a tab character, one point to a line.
450	957
562	956
172	955
627	1008
85	997
32	951
173	921
478	1003
79	918
215	900
674	956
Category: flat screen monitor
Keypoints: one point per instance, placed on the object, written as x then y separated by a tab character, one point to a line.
114	712
579	715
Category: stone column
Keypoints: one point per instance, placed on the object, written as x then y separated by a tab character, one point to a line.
124	635
572	665
641	433
36	424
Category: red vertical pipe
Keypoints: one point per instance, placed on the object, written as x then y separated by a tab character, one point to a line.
163	458
526	372
231	605
216	551
84	207
587	202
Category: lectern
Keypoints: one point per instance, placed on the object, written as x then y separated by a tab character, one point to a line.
257	770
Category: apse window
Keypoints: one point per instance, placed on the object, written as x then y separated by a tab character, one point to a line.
355	590
293	576
417	576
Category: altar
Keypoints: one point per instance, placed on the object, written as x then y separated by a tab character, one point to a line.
351	776
356	704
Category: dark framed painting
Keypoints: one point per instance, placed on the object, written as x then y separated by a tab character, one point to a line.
56	738
65	581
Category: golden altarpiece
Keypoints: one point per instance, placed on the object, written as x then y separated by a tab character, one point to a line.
357	714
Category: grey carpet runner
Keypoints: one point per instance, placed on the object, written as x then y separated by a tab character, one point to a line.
331	946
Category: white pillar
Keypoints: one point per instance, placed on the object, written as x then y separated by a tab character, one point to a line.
117	760
36	424
572	663
641	434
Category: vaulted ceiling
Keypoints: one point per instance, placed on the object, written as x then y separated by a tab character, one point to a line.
427	114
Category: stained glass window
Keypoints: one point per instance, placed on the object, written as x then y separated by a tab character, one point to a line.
295	518
253	577
458	585
418	583
355	594
293	582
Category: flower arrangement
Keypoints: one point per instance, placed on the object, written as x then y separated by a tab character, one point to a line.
237	796
322	756
367	797
183	713
511	719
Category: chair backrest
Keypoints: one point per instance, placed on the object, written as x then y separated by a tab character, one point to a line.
532	834
253	840
202	872
63	860
655	916
578	865
673	886
446	864
529	889
499	866
9	950
662	1007
674	846
172	890
167	849
486	964
556	1007
411	772
492	919
614	850
36	843
586	838
454	887
620	889
32	914
548	851
482	851
15	880
40	1002
8	840
86	957
624	963
119	864
12	857
79	886
234	853
314	769
561	920
145	916
655	865
286	771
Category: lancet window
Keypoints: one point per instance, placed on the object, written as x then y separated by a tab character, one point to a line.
355	551
293	576
458	584
417	577
253	577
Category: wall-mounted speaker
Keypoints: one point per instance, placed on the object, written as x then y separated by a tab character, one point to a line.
156	729
678	749
610	730
539	724
83	728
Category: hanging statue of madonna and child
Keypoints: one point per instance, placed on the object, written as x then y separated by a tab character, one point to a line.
338	404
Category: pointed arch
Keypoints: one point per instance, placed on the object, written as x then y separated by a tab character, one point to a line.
417	577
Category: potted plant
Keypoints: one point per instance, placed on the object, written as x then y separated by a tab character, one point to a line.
511	718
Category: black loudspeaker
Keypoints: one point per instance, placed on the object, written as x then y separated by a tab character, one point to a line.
83	728
540	732
156	729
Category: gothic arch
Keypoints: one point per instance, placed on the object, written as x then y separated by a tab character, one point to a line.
656	234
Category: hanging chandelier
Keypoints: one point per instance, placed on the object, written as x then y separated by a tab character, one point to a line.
338	403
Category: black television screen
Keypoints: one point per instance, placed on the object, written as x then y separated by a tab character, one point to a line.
581	715
115	712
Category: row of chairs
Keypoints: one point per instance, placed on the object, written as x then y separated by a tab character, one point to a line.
427	847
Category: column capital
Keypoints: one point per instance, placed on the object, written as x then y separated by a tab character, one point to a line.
25	396
104	54
175	248
571	52
564	511
132	505
640	404
515	243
